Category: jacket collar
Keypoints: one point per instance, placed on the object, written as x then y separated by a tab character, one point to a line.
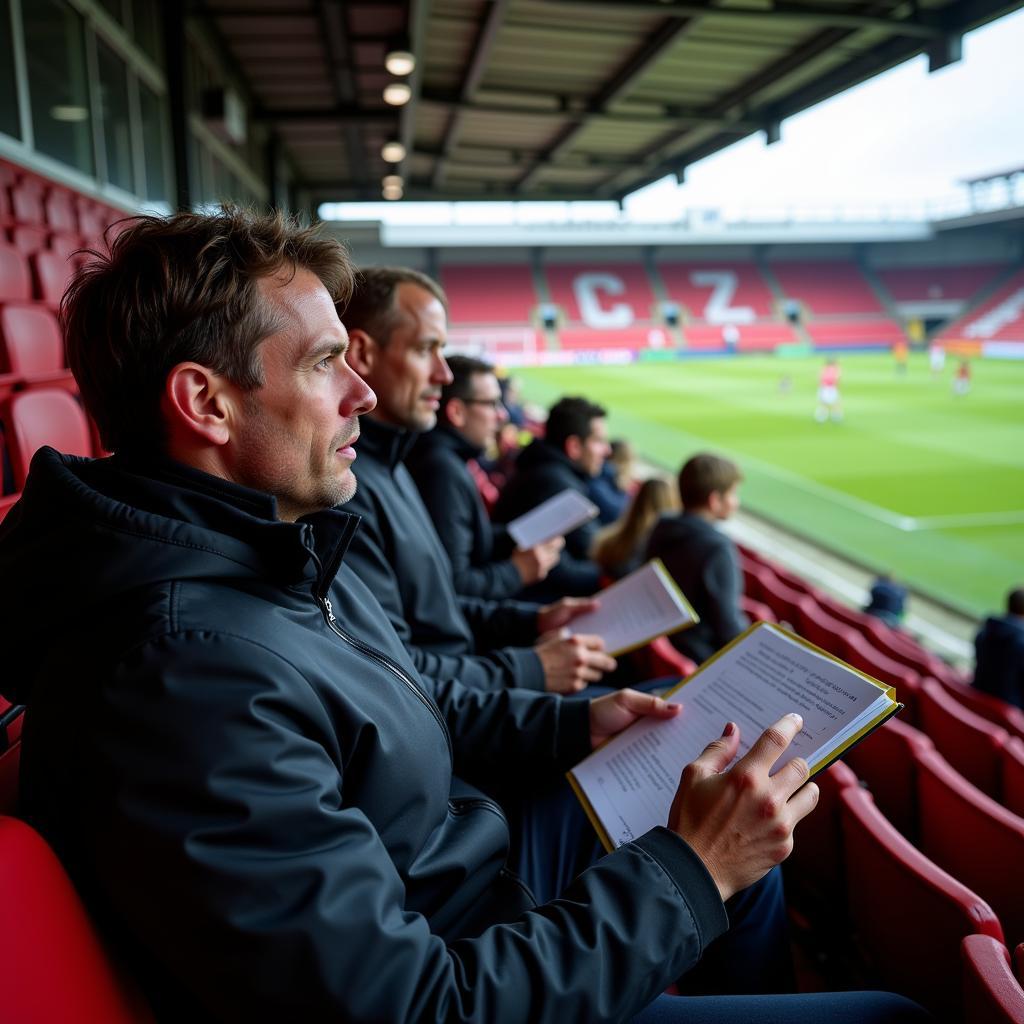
445	436
385	443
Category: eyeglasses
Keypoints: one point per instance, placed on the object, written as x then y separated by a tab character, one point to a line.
494	403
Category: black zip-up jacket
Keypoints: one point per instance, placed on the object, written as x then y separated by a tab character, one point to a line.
541	472
704	562
399	556
477	549
253	788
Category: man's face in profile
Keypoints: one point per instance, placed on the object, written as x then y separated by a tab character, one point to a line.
294	435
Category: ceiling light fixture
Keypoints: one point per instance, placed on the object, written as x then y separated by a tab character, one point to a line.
393	151
397	94
391	192
392	181
400	62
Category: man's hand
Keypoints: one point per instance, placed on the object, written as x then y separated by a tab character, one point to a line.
571	663
611	713
561	613
740	822
533	564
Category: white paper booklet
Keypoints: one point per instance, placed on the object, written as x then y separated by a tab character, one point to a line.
639	607
552	518
627	785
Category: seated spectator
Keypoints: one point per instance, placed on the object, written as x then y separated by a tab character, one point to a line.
512	400
611	489
620	548
569	455
701	559
887	600
999	650
397	325
443	464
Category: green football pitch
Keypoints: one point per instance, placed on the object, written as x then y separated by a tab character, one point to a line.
915	479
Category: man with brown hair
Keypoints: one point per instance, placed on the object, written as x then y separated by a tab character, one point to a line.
225	743
701	559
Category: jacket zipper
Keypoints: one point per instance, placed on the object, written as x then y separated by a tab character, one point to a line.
386	662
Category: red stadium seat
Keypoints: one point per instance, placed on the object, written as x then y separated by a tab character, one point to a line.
55	966
65	246
937	284
887	762
860	654
1012	779
718	292
827	288
609	286
52	274
970	743
908	914
29	238
60	211
32	344
1006	716
757	611
820	628
15	278
992	992
45	416
11	719
27	204
999	317
489	294
972	837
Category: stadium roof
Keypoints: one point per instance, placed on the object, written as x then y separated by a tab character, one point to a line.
557	99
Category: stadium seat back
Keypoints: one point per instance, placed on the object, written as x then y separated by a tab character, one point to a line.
55	966
970	743
992	992
659	658
820	628
908	914
989	707
52	275
29	238
15	277
11	718
973	837
27	204
1012	782
59	208
44	417
32	339
887	762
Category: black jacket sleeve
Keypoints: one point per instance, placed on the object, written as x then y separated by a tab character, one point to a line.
723	583
236	862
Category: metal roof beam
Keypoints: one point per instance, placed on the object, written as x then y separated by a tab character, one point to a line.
340	112
624	79
419	17
481	52
809	14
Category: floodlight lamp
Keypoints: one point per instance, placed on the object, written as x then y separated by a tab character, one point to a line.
393	151
400	62
397	94
392	181
392	192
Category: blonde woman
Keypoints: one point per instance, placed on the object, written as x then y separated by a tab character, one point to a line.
619	548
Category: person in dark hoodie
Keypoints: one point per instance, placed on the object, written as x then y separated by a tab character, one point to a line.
485	560
999	650
701	559
397	324
569	455
257	795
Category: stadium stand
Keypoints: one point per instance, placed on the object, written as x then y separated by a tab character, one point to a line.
998	318
719	293
619	337
973	837
756	337
492	294
854	332
55	965
612	295
827	288
908	914
992	991
51	274
922	285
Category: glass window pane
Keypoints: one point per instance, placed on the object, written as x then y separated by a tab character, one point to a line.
115	120
154	139
57	80
147	28
9	122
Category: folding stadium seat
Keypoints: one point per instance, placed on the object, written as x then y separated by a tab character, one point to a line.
27	204
887	763
31	341
860	654
970	743
783	600
999	712
992	992
908	914
60	211
7	502
92	219
757	611
820	628
15	278
659	658
55	966
51	274
11	719
1012	780
45	416
973	837
65	246
29	238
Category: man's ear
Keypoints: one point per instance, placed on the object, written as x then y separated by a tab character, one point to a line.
198	401
573	447
362	352
455	412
